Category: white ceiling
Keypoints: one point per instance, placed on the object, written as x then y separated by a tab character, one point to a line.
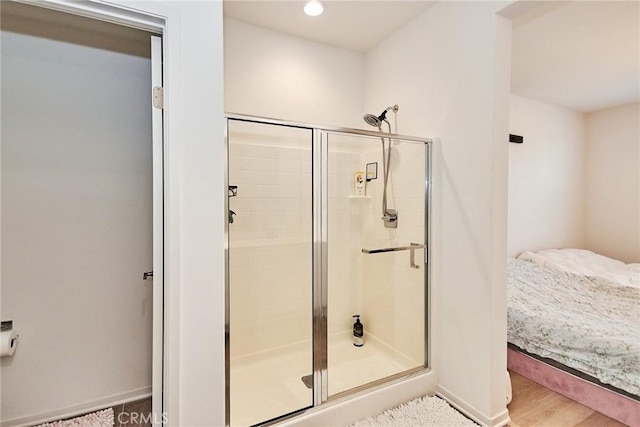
582	55
357	25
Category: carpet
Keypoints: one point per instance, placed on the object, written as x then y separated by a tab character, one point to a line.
102	418
423	411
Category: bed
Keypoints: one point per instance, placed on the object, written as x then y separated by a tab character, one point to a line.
574	326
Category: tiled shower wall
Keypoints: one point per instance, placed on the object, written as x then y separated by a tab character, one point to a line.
270	243
345	230
393	293
270	238
382	288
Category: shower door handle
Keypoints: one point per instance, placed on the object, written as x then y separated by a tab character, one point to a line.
412	248
412	258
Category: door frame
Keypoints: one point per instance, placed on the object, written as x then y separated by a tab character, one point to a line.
158	170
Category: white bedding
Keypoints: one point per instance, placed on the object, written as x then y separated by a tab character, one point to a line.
587	323
581	261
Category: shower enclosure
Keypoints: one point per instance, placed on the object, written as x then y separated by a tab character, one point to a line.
307	250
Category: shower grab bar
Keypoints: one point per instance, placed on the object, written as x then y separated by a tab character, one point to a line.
412	247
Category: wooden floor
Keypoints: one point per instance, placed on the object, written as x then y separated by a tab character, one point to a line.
535	405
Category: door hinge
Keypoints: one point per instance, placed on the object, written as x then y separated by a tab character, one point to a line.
158	97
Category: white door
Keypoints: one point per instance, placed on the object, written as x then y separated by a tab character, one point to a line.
158	232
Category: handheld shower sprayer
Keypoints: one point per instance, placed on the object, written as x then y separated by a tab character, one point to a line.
389	216
373	120
376	121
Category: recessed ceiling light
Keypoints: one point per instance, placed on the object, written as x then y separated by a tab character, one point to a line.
314	8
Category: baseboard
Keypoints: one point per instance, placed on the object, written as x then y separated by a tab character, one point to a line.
77	410
502	419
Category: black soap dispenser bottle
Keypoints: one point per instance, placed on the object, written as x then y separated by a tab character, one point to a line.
358	332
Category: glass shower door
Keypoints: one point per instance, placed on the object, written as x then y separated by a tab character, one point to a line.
270	271
375	271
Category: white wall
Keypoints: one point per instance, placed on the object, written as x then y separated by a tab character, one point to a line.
612	225
271	74
546	177
574	182
195	237
76	218
450	79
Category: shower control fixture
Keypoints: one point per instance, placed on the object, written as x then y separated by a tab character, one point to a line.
389	216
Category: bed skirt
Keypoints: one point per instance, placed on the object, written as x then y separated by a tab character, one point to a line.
615	405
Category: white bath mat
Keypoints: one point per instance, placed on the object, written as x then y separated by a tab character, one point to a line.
104	418
424	411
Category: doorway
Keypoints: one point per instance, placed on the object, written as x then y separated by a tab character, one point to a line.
79	213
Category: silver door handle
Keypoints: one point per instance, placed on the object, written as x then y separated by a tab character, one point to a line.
147	275
412	248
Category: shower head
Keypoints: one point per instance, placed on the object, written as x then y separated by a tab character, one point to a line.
373	120
376	121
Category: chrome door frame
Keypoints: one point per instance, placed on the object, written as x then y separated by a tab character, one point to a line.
320	253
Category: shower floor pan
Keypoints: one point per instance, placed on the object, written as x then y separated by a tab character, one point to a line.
270	384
